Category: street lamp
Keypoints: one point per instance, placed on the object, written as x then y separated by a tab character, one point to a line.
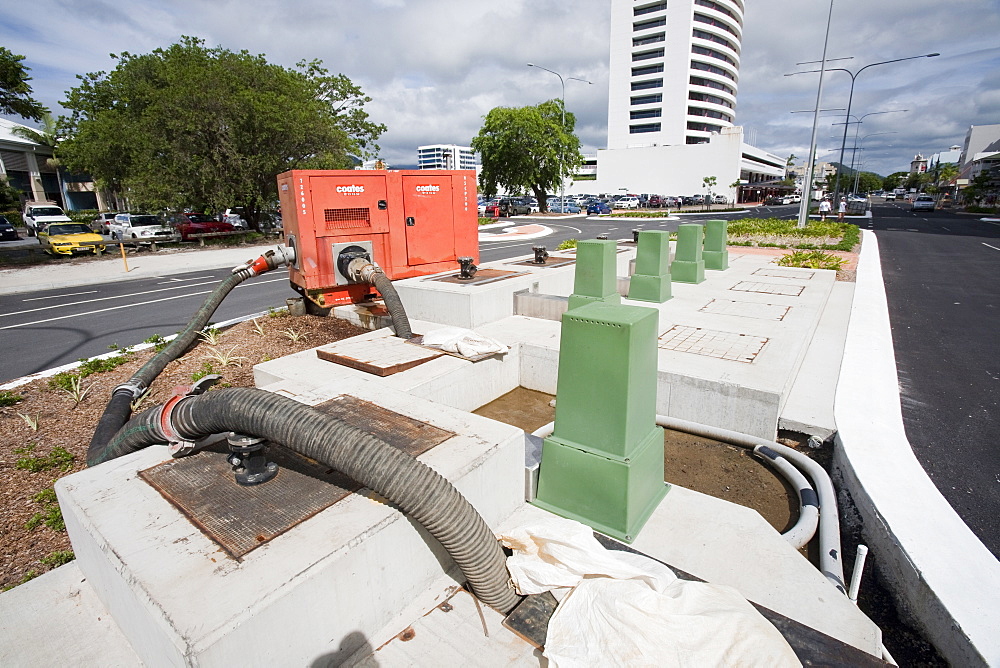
562	123
850	98
857	174
857	129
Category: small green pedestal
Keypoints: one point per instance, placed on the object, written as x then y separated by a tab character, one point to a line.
596	277
603	463
651	280
716	253
689	265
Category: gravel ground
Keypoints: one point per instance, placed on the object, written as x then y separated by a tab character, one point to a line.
49	432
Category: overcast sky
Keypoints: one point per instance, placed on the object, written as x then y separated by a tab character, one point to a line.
434	68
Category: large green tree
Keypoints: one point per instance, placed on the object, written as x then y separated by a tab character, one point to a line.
527	148
209	128
15	91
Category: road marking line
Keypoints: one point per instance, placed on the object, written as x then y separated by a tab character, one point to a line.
115	308
101	299
68	294
182	280
993	247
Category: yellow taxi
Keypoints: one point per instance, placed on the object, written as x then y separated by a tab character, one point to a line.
70	239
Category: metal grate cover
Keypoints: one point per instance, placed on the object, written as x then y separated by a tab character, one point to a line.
338	219
240	518
712	343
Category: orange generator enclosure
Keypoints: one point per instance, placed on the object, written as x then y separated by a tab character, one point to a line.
412	222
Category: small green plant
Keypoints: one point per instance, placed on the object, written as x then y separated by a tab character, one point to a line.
158	342
77	391
50	515
58	558
812	260
138	402
291	334
205	370
275	312
226	358
212	336
8	398
28	577
487	221
58	458
258	328
566	245
31	421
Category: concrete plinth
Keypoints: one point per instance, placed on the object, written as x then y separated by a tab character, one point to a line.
316	592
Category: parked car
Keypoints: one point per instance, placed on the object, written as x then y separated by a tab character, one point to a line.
37	215
670	201
654	202
102	224
628	203
561	207
697	199
140	226
719	199
598	208
7	230
235	218
890	197
774	200
69	239
923	203
187	224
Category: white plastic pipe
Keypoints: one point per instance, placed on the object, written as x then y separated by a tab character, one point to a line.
829	520
859	567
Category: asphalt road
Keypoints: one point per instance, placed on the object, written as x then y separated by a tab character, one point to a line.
942	280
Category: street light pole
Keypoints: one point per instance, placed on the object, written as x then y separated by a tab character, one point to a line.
811	158
857	130
850	97
562	123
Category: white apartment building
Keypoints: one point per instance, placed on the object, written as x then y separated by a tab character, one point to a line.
446	156
673	78
674	71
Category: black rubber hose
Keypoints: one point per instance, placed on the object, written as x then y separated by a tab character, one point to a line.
392	302
418	491
119	407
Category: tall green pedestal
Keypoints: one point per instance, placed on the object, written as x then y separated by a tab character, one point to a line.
716	253
603	463
651	280
596	277
689	265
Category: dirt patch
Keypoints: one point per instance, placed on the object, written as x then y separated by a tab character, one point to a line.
36	432
848	272
701	464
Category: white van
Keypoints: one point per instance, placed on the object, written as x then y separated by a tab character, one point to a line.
39	214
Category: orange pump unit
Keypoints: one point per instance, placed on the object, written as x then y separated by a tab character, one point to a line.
410	223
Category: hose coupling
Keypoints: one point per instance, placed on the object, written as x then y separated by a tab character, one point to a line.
133	387
466	269
541	254
181	447
272	259
246	456
363	270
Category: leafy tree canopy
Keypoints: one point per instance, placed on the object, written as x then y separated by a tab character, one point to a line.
209	128
894	180
15	92
527	148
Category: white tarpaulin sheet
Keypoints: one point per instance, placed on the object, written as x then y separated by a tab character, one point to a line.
465	342
627	610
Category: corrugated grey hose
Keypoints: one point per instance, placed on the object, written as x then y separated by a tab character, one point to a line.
400	322
119	407
415	488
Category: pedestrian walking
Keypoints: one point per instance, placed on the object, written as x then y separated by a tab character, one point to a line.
824	208
841	209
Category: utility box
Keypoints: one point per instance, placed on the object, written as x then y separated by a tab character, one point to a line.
413	223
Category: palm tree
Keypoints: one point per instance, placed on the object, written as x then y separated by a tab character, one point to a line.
48	135
947	173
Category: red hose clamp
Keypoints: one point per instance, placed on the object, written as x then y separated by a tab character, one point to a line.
179	447
260	265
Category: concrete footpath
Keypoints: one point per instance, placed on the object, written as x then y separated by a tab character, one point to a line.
946	579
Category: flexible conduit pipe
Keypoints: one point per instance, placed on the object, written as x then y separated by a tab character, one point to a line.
805	528
418	491
362	269
829	520
119	407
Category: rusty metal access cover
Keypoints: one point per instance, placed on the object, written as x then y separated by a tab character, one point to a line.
482	276
240	518
552	262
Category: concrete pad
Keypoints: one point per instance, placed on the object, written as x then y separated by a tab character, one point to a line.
340	576
808	406
57	620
